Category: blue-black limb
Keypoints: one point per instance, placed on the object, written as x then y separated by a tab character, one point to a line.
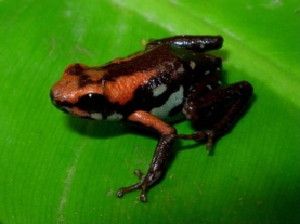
215	113
156	170
194	43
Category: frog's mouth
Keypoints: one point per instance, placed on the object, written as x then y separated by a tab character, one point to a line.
75	111
78	109
66	107
59	104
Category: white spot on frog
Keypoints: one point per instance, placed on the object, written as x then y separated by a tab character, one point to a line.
97	116
175	99
180	70
114	116
192	65
207	72
208	86
159	89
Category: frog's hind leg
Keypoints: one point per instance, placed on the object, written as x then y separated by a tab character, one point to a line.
194	43
216	112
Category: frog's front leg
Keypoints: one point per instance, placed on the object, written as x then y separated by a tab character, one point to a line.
161	156
215	113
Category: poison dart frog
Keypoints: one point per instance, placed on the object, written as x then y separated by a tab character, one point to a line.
172	76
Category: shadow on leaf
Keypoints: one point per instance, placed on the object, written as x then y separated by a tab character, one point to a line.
97	129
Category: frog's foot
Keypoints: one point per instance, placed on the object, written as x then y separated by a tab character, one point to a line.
199	136
143	185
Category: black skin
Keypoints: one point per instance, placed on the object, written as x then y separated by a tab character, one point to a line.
156	169
213	113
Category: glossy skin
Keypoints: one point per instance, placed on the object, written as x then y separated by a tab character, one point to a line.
172	76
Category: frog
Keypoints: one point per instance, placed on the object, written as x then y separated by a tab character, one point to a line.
172	77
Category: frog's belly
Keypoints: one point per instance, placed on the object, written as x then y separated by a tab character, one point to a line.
174	100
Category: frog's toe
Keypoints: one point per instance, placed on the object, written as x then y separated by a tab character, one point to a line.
124	190
205	135
210	135
143	196
142	186
138	173
138	186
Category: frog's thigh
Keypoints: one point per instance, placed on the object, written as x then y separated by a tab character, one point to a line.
219	108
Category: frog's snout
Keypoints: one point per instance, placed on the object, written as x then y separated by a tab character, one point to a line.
57	99
56	103
54	95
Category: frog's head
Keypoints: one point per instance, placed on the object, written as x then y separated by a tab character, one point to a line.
80	92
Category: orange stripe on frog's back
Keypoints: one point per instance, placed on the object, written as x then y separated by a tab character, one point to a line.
121	89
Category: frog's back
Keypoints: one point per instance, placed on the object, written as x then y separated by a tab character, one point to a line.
160	59
150	81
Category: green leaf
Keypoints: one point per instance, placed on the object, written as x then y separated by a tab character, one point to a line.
57	169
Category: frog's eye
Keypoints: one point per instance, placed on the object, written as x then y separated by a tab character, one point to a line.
92	102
